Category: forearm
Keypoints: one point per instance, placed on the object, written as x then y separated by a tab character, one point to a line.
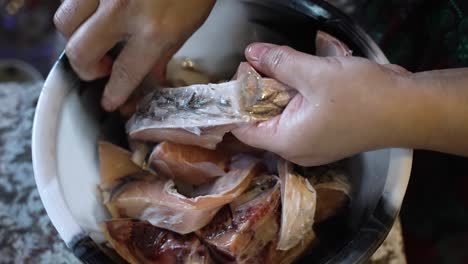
435	111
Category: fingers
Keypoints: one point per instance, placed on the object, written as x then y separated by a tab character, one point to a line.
263	135
88	46
327	45
133	63
285	64
72	13
275	134
161	66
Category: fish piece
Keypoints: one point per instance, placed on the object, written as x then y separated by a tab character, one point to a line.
178	73
329	46
205	109
191	164
116	167
158	201
298	203
140	242
115	163
140	152
333	194
207	137
241	231
272	255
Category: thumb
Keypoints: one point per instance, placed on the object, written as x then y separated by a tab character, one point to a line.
285	64
263	135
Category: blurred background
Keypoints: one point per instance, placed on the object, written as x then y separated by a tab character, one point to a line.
27	32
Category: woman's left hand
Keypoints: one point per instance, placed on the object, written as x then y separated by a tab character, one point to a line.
152	29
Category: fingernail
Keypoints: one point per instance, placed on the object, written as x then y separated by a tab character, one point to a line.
107	104
255	51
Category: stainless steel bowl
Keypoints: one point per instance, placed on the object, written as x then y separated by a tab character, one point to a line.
68	117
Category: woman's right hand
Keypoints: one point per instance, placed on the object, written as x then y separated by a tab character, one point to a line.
152	29
345	105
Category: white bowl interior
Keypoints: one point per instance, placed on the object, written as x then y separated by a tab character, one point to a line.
67	130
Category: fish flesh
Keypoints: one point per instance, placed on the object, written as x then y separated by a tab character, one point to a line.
157	200
140	242
298	201
202	114
243	229
116	168
190	164
333	194
179	73
272	255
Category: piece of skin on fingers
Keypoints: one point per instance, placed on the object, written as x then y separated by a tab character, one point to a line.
151	30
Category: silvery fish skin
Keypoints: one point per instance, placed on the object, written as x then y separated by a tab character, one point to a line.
192	108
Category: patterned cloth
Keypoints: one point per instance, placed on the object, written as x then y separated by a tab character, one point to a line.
27	236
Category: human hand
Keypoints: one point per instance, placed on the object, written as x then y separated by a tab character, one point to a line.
345	105
152	29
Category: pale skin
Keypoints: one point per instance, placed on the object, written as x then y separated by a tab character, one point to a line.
345	105
152	29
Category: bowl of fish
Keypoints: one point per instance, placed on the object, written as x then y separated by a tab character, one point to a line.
162	179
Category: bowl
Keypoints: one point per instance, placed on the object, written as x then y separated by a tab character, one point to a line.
69	122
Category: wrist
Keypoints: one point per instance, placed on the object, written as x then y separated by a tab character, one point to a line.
420	118
405	112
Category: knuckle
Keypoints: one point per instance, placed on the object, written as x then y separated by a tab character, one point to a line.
122	74
60	18
151	30
75	56
278	58
58	21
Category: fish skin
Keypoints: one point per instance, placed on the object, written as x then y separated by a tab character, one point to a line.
298	203
272	255
208	138
197	109
158	201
